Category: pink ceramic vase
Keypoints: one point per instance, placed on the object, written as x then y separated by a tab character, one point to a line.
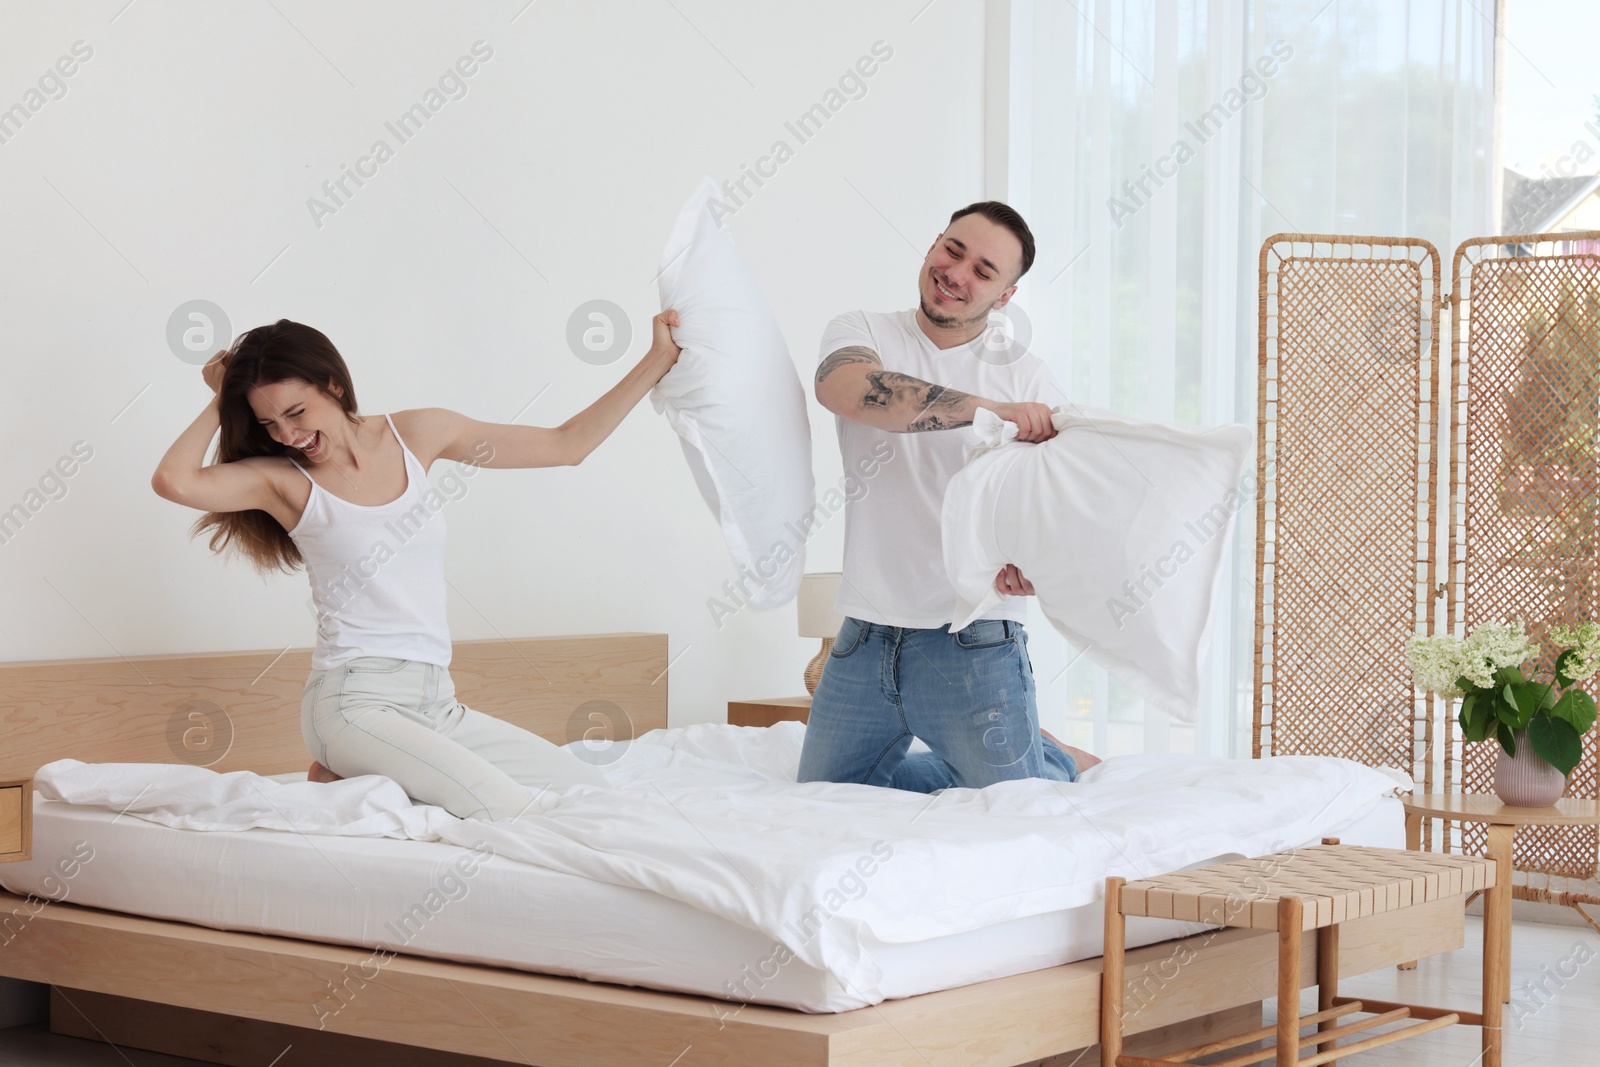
1526	780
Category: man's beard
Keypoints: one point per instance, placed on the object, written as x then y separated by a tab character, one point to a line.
948	320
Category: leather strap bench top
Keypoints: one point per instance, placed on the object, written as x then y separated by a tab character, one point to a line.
1335	883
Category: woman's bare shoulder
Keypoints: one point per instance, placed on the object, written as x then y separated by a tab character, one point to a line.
426	431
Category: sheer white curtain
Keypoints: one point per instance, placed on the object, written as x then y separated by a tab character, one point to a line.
1153	145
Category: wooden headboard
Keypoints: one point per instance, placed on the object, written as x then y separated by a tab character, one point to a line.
235	711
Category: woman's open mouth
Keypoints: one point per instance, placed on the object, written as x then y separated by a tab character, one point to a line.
311	446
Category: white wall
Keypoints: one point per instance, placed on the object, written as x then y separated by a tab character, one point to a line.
178	165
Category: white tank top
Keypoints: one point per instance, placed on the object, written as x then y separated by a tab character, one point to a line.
377	572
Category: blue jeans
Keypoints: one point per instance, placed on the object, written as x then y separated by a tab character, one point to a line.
968	695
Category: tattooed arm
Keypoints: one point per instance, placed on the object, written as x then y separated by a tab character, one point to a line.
852	384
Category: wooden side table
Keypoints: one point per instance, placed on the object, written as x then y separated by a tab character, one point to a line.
16	820
1289	893
1502	822
767	712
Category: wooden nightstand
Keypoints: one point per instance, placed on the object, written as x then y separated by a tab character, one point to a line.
767	712
16	820
1502	821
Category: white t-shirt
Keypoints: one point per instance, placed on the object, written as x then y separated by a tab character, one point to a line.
893	559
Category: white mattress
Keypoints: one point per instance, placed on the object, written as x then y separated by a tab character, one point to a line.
434	899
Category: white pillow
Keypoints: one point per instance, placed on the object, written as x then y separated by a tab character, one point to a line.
1121	527
736	401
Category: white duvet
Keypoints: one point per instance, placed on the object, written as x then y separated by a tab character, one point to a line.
711	816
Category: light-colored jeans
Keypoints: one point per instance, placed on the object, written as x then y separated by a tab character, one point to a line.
400	718
969	695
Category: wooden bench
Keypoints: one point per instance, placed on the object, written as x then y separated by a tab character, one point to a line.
1288	893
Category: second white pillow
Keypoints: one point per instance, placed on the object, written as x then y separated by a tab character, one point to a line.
1119	524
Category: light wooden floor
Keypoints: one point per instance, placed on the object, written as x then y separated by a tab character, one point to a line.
1553	1018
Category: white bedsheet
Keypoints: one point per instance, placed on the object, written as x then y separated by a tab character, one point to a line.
709	817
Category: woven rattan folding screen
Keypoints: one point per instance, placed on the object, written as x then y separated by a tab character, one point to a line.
1525	378
1347	408
1352	436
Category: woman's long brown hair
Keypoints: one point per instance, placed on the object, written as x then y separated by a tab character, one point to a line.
284	351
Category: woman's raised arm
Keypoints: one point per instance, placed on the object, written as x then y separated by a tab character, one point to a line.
506	445
183	477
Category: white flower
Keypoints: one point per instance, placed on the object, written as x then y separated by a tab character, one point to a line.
1491	646
1500	646
1584	639
1436	663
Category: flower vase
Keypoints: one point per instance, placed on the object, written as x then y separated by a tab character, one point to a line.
1526	780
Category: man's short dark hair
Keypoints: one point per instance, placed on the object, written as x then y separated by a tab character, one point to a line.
1007	216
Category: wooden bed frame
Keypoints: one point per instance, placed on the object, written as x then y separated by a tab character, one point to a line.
241	998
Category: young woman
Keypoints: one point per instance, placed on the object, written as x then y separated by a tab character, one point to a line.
302	478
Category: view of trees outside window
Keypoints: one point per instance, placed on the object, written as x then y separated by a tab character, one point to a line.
1550	160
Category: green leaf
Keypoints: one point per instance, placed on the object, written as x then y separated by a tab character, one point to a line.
1531	698
1485	717
1477	715
1464	684
1569	658
1556	742
1577	709
1508	740
1509	676
1510	699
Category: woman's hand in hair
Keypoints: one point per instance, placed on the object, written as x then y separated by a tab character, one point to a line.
215	368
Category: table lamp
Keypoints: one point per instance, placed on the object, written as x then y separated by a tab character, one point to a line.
814	605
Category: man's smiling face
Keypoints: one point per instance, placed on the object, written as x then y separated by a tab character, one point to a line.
972	267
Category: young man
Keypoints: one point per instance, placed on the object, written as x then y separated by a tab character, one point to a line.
897	671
